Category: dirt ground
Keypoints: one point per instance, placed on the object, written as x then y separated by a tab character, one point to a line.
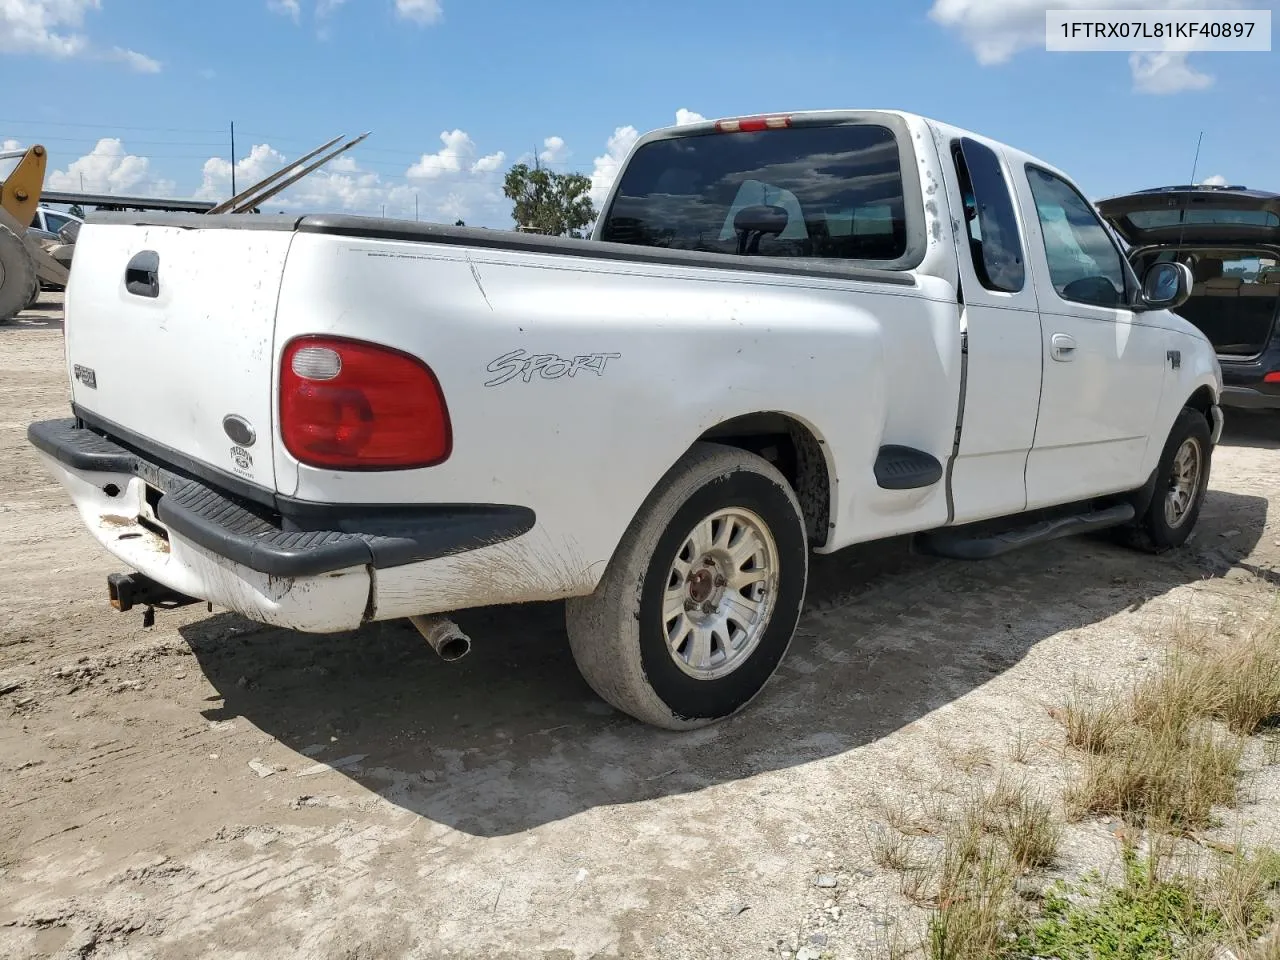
209	787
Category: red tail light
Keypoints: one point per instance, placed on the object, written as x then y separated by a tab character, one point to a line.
1273	377
753	124
350	405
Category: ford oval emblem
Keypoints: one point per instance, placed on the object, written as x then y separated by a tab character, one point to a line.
238	429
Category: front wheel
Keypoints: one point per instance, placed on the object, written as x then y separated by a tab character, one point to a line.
1182	478
699	604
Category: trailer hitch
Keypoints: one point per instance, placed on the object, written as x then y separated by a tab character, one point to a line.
129	590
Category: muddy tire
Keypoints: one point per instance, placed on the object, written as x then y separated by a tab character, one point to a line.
699	604
17	275
1182	477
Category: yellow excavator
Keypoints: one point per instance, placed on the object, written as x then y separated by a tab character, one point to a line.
24	261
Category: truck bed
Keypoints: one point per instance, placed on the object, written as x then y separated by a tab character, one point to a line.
384	228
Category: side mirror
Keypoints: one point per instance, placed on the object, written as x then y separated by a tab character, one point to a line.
1166	286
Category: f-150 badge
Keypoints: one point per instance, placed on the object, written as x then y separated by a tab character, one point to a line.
548	366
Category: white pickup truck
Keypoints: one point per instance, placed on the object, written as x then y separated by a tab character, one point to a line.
787	333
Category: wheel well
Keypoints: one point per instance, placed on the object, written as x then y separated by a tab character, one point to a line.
797	454
1202	400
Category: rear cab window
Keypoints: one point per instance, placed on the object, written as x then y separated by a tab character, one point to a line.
830	192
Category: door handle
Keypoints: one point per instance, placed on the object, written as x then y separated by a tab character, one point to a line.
1062	347
142	274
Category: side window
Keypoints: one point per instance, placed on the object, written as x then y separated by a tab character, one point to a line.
1084	265
988	213
55	222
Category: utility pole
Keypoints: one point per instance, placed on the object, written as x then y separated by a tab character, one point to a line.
415	205
82	183
233	158
384	211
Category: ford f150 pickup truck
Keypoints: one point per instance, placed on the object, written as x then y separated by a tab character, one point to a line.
787	333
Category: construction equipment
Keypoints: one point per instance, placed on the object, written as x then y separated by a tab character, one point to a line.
24	261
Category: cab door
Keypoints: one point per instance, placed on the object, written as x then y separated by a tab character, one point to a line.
1104	365
1001	326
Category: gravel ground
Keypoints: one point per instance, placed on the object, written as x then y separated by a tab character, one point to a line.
213	787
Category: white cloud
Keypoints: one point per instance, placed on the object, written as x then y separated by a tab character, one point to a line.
45	27
420	11
136	61
6	166
555	150
606	166
52	28
1166	72
997	29
425	12
456	153
261	160
489	163
1217	180
289	8
684	117
445	186
109	168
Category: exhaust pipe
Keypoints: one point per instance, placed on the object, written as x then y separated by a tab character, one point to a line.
443	636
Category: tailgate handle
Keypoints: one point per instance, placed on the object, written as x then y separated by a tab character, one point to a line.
142	275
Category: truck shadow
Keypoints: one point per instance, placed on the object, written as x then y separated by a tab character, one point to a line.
510	737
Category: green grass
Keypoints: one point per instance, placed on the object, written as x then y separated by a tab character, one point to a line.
1148	916
1161	755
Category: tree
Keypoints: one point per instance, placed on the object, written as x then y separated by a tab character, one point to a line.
556	204
459	223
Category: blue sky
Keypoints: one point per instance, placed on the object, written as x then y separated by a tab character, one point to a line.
135	96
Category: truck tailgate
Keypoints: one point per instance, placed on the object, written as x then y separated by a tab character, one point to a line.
169	336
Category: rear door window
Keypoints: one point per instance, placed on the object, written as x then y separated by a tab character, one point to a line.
994	240
831	192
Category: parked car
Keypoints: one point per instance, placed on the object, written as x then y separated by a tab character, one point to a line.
1230	238
56	226
787	334
56	231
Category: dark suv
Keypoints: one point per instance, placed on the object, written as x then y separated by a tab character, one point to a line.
1230	238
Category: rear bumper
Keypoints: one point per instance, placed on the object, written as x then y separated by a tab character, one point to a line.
1244	383
1251	398
307	566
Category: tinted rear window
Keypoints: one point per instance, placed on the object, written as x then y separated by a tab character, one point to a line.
1152	219
835	192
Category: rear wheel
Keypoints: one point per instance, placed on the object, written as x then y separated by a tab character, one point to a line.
699	604
1182	477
